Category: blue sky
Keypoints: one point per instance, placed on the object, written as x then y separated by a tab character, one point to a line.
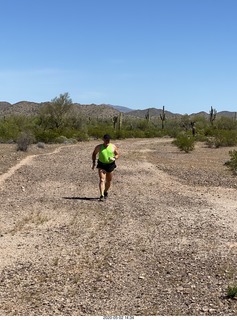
134	53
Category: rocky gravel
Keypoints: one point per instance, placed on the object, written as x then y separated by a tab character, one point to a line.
164	243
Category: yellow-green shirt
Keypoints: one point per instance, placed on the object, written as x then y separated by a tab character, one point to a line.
106	153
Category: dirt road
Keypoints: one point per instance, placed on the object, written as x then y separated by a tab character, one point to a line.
164	243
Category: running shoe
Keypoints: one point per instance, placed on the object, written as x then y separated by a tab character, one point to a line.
106	194
102	198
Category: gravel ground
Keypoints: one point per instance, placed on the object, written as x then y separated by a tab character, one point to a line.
164	243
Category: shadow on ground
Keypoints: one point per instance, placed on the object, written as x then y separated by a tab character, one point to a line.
81	198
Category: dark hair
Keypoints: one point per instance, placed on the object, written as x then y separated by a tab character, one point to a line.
106	137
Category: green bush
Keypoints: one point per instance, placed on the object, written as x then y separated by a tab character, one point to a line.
58	119
100	130
232	163
184	142
222	138
12	126
231	292
81	136
201	137
46	136
226	123
61	139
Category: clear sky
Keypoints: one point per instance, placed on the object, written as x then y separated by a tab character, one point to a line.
181	54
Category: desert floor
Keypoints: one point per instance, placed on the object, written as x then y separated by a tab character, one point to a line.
163	243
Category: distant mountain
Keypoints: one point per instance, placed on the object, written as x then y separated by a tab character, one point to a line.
200	114
101	111
22	107
31	108
220	114
122	109
4	107
227	114
153	113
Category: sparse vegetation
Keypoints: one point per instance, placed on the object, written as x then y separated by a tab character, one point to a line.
61	118
232	292
232	163
222	138
23	141
36	218
40	145
184	142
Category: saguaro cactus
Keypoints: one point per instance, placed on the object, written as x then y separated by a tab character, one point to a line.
213	113
162	117
148	116
192	124
115	120
120	122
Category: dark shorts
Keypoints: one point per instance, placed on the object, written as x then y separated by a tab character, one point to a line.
108	167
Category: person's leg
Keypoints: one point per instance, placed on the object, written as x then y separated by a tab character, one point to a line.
102	175
109	176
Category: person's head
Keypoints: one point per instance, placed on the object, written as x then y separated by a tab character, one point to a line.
106	139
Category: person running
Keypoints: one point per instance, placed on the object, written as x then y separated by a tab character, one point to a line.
108	153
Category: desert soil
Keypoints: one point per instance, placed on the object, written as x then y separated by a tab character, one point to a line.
164	243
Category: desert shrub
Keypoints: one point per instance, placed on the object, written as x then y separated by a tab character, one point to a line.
60	139
23	141
46	136
72	141
100	129
211	142
172	128
81	136
172	132
11	126
121	134
226	123
232	163
201	137
143	125
8	131
231	292
184	142
65	140
40	145
222	138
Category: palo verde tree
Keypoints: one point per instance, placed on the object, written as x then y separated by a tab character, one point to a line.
185	122
54	114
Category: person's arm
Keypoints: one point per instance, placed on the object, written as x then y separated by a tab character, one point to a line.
96	150
116	153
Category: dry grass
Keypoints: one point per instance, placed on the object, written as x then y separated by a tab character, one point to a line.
25	223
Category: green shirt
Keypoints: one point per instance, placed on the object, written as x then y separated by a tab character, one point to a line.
106	153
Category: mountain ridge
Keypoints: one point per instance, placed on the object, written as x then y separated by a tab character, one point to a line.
98	110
